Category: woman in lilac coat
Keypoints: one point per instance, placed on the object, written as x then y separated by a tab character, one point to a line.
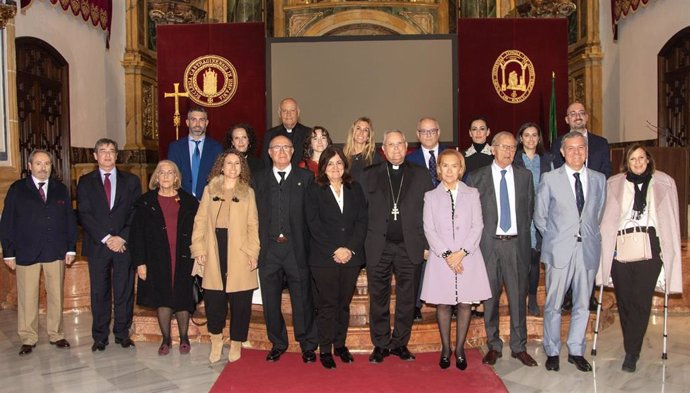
455	274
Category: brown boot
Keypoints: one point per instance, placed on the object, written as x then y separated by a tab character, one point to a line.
235	351
216	347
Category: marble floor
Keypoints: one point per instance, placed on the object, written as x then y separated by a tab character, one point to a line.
49	369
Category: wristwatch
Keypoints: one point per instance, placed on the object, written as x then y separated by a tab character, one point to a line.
446	254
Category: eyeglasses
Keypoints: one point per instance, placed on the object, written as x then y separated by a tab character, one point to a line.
577	114
166	173
506	147
277	148
429	132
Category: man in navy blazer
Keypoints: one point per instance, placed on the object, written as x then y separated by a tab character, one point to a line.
598	157
197	144
38	230
105	200
289	127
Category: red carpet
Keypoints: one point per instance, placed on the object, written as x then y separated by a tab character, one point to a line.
252	373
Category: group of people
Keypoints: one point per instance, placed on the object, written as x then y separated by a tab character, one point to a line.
452	229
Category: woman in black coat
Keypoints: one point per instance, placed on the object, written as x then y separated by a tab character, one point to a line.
337	220
160	237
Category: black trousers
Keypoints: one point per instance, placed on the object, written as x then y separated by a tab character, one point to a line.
534	271
280	264
216	302
111	279
394	261
634	283
335	287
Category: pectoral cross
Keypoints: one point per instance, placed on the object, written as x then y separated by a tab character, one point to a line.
176	117
395	212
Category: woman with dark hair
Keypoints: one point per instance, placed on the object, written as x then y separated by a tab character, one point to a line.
228	262
455	273
531	155
337	221
159	244
241	137
640	199
360	147
314	145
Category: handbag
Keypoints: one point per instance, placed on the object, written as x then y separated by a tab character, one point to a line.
634	246
198	294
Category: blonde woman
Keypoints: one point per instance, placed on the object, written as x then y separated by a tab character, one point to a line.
228	262
360	147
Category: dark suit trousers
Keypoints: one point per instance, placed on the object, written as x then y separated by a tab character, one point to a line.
505	269
335	287
116	272
634	284
394	261
280	263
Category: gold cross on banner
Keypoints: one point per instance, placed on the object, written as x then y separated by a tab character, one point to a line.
176	117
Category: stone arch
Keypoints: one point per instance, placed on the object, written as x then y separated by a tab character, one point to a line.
361	17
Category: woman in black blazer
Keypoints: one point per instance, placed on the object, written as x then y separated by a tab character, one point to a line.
159	242
337	220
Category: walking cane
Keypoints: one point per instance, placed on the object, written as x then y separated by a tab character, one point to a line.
664	355
596	324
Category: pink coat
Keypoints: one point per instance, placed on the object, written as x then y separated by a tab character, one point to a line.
668	227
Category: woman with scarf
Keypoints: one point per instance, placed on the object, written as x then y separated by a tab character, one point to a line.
645	198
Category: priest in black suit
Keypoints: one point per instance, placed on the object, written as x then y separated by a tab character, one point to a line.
105	199
280	193
395	244
289	127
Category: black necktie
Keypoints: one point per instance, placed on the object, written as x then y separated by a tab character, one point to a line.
282	177
579	195
432	168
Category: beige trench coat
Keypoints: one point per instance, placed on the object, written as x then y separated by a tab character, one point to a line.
243	238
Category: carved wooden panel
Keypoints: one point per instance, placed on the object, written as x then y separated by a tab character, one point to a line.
43	104
674	91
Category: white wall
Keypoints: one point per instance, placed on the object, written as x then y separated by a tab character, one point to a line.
629	68
96	76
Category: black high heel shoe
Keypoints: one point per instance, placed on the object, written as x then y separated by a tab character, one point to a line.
460	362
444	362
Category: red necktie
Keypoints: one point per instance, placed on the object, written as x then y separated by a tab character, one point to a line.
41	191
107	186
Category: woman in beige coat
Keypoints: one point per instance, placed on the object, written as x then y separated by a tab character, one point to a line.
645	197
225	244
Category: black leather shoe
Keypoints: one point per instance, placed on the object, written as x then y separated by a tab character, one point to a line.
98	346
125	342
476	313
630	363
444	361
378	354
417	314
552	363
403	353
460	362
344	354
60	343
26	349
491	357
308	356
525	358
580	362
327	360
275	354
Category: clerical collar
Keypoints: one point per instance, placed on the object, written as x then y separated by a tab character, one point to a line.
395	167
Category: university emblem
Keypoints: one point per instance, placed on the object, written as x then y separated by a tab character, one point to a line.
513	76
210	80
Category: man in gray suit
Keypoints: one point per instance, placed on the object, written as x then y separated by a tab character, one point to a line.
507	196
570	203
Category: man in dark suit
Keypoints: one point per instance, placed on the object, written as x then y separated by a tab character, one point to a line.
38	230
598	157
196	153
289	127
428	134
105	198
507	196
280	193
395	244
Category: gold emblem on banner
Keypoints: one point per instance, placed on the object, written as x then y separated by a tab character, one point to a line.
210	80
513	76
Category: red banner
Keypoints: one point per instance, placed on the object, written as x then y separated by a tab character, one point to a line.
505	68
99	12
221	67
